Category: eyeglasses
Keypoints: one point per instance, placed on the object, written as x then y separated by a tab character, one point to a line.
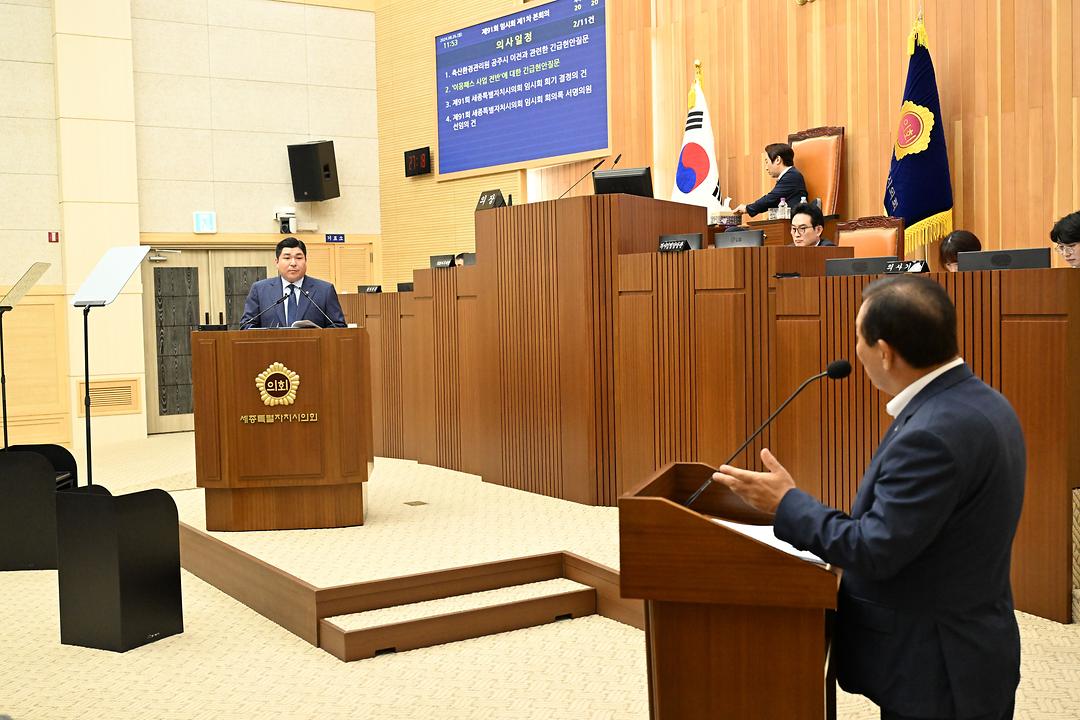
800	229
1066	248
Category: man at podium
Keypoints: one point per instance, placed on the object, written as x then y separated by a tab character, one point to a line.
925	621
291	297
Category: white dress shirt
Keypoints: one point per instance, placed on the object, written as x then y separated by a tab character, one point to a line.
896	406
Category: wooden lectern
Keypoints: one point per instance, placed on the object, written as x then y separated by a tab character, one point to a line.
734	628
282	427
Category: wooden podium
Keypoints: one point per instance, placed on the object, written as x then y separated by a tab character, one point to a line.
282	427
734	628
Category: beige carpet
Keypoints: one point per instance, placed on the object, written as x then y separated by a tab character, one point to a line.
233	663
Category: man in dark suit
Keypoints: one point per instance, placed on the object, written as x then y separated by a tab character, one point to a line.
807	226
307	298
925	624
790	185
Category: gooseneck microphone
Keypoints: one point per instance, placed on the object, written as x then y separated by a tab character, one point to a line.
617	159
308	296
268	308
836	370
594	168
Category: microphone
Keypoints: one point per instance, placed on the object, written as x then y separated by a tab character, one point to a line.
617	159
308	296
836	370
265	310
594	169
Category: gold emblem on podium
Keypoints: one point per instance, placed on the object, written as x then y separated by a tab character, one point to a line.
277	385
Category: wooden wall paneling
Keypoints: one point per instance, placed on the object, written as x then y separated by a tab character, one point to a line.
636	388
35	343
445	359
723	403
477	371
419	344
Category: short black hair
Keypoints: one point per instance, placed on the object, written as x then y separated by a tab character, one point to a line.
958	241
290	242
782	151
817	218
914	315
1066	231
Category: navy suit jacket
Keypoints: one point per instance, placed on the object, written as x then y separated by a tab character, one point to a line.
265	293
925	624
791	186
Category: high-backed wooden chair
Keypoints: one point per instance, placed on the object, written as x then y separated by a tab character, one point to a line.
819	155
873	236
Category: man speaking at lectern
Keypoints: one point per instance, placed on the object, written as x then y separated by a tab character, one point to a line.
291	296
925	624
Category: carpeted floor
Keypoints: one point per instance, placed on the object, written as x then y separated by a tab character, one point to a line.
232	663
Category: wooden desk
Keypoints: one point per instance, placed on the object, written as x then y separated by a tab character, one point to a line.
1019	331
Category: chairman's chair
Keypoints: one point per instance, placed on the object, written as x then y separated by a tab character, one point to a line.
819	156
873	236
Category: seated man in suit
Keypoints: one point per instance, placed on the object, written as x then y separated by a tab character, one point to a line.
807	225
305	298
925	625
790	185
1065	235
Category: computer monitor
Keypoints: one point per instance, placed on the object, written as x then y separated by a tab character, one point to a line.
739	238
857	266
1004	259
630	181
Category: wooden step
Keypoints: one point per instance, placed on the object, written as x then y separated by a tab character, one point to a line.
433	622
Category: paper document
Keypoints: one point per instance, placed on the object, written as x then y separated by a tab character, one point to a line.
766	534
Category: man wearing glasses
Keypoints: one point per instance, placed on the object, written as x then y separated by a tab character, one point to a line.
807	224
1065	235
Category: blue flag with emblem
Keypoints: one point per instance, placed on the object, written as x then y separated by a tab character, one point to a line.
919	188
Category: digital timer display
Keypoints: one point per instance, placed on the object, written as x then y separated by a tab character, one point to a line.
417	162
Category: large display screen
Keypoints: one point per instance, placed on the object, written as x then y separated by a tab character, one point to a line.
527	86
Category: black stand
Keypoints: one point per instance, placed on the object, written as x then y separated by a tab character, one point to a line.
27	511
86	385
119	568
3	373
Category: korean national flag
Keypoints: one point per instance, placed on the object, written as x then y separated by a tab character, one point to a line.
697	177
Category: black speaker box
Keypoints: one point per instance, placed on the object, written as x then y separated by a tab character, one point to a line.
314	171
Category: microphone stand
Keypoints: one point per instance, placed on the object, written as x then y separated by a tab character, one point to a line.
757	432
265	310
594	167
308	296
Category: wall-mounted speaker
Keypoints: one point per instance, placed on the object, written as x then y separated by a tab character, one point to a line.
314	171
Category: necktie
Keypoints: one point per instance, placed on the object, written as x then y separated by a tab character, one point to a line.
293	304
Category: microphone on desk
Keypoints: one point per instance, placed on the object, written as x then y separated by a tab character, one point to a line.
617	159
836	370
249	323
594	169
308	296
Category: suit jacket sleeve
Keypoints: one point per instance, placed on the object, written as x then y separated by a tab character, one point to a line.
251	305
915	491
333	307
784	187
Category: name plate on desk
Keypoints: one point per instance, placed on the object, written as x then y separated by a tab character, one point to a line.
369	289
441	261
679	243
895	267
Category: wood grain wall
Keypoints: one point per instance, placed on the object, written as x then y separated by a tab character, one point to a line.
1008	76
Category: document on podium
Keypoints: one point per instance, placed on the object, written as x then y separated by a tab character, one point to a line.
766	534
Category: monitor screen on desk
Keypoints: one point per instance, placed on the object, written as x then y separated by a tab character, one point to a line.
631	181
1004	259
